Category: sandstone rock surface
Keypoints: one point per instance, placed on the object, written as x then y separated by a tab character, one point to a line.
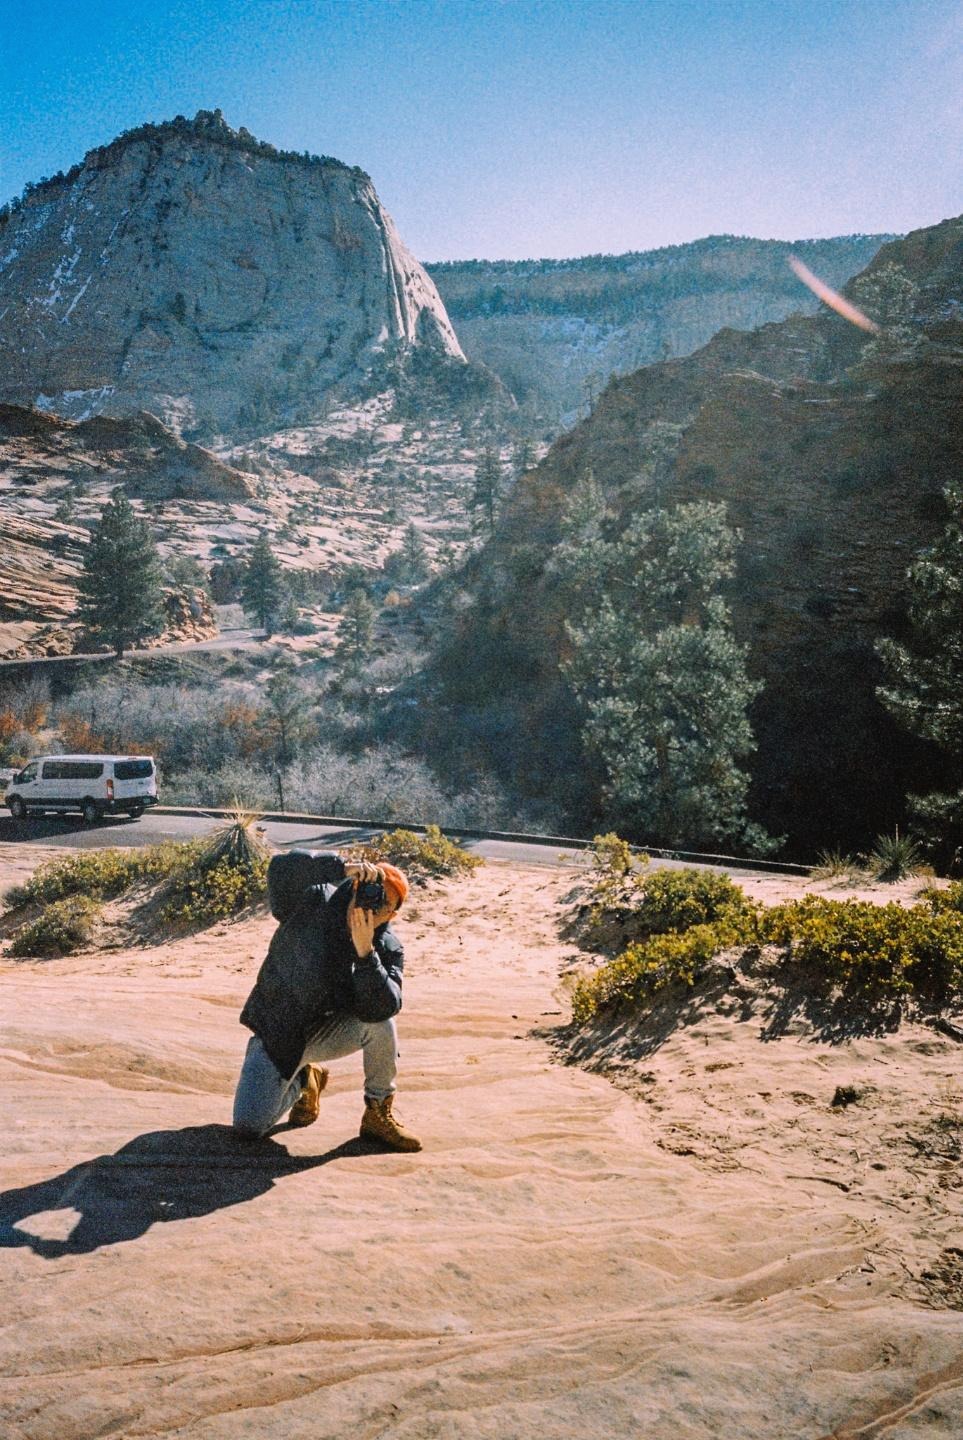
705	1249
55	477
138	451
189	270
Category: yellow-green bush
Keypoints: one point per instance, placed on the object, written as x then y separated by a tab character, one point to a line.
207	893
614	879
868	948
675	900
679	919
64	926
613	856
640	902
646	969
100	874
419	856
948	899
202	881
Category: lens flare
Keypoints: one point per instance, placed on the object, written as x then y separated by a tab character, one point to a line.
832	297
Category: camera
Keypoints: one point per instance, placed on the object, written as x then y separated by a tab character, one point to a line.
370	895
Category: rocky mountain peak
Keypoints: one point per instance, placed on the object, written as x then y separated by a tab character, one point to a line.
194	271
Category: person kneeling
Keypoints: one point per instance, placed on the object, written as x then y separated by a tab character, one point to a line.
329	986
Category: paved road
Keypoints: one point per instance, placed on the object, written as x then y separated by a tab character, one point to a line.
226	640
71	833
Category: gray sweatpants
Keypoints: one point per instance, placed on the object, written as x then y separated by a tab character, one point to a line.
263	1095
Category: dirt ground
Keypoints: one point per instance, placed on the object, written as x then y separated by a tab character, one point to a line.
689	1241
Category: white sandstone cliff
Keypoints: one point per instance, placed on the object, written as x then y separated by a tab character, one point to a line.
192	271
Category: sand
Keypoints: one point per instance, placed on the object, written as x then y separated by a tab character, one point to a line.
689	1243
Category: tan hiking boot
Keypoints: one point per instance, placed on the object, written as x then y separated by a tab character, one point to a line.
307	1106
378	1123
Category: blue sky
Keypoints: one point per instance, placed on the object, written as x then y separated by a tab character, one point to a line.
515	128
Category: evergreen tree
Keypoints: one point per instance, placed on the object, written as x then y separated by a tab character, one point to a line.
262	584
591	385
357	629
414	554
285	715
487	493
524	457
662	679
924	689
120	586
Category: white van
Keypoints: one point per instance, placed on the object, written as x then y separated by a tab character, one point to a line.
94	785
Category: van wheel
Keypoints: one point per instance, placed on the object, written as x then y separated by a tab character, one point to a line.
135	811
90	810
17	808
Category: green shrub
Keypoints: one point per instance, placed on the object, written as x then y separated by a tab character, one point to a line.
419	856
625	893
872	949
613	878
63	927
206	893
228	872
675	900
862	950
936	970
836	865
101	874
612	857
236	842
205	879
950	898
645	970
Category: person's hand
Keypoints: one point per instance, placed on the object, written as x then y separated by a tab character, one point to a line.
361	925
361	928
363	872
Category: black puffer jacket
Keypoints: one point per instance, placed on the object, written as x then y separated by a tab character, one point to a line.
311	972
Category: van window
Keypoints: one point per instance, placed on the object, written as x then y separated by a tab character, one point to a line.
72	769
133	769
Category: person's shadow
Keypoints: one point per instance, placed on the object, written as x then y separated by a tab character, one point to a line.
162	1175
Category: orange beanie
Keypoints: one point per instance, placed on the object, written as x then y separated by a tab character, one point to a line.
396	886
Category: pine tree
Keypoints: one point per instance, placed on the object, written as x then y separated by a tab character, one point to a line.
925	676
120	586
262	584
487	493
356	630
524	457
286	722
414	554
662	679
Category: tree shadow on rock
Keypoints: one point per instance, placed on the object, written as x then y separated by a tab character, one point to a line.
161	1175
